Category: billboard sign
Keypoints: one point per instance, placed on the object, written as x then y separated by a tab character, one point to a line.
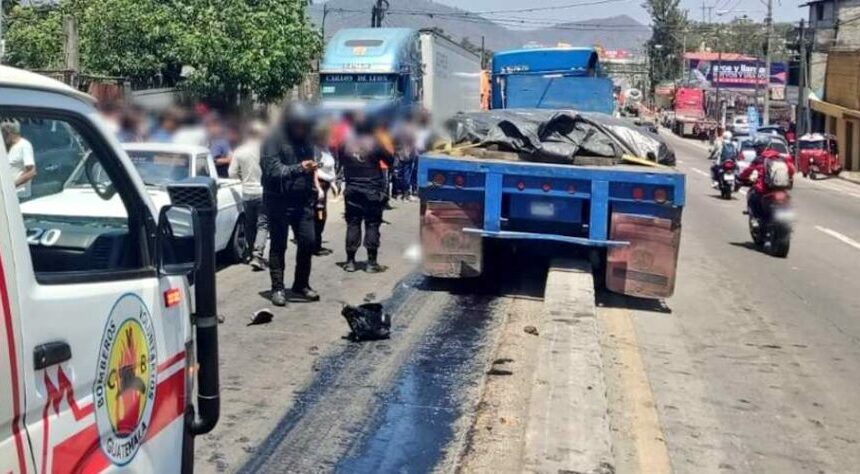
739	74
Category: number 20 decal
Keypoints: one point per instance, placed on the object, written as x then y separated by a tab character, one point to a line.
39	236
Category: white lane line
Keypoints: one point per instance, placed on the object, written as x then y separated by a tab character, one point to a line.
680	162
838	236
743	191
697	170
835	188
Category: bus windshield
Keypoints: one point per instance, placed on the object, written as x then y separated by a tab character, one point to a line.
358	86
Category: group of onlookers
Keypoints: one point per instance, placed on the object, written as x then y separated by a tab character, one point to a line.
289	171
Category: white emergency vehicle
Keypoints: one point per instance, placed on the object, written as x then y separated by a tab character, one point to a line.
99	349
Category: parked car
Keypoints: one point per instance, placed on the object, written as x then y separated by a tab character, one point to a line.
740	125
158	164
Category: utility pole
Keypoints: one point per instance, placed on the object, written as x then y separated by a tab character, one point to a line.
71	58
2	41
322	23
767	56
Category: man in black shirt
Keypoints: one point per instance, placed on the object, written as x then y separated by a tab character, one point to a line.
287	163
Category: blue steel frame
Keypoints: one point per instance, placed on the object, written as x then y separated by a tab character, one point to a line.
599	178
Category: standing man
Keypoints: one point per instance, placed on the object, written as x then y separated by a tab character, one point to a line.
245	166
219	146
365	194
325	176
288	166
21	158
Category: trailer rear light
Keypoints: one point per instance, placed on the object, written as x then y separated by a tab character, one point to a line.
546	187
521	185
439	179
172	297
780	196
660	195
459	181
638	194
571	189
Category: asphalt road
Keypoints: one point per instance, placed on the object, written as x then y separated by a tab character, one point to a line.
752	366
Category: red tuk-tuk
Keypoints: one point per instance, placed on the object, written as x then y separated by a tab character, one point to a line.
819	155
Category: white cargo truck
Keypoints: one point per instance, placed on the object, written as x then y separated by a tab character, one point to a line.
452	76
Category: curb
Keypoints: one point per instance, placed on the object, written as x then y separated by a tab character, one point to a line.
568	424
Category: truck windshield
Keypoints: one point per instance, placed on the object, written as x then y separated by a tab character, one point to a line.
358	86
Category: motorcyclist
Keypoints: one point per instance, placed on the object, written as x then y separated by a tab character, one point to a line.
754	176
724	149
287	163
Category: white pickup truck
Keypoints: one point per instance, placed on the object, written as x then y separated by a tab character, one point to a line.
158	164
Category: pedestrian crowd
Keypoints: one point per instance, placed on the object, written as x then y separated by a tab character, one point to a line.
289	171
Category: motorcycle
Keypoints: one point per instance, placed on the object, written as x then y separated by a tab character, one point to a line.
726	178
772	230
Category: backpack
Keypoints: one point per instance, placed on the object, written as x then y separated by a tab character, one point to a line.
368	322
729	152
776	174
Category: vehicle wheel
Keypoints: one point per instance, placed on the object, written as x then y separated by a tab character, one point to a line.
726	192
805	175
238	246
755	234
781	245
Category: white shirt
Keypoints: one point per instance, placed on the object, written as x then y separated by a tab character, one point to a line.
245	165
21	156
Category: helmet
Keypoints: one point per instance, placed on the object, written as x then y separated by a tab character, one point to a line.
727	135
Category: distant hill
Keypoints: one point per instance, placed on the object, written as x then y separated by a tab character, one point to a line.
619	32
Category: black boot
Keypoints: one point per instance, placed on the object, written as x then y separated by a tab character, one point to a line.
372	265
350	265
279	297
304	295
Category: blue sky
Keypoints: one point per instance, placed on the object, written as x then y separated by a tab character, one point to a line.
784	10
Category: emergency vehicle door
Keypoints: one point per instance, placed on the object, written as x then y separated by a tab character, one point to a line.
103	335
15	456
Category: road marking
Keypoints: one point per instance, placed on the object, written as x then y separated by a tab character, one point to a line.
680	162
697	170
834	187
838	236
743	191
639	407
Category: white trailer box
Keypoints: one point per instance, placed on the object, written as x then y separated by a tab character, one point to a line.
452	76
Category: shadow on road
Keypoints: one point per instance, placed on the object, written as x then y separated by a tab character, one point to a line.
608	299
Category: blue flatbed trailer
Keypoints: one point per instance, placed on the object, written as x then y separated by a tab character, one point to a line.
631	212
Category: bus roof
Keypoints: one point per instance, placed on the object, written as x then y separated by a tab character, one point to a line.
370	50
545	60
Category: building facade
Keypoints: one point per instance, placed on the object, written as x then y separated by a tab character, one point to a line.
834	73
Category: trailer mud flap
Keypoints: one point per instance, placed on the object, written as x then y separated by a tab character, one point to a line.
448	251
645	268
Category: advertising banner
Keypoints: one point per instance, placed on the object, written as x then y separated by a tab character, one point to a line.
741	74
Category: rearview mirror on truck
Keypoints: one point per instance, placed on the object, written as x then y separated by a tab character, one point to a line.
179	243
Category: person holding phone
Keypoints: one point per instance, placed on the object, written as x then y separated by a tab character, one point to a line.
288	168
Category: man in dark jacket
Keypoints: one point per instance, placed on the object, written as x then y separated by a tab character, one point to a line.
365	193
287	163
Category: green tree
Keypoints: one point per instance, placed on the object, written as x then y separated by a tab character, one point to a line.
33	37
242	47
226	50
665	47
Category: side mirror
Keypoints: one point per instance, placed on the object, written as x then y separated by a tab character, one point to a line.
178	246
98	177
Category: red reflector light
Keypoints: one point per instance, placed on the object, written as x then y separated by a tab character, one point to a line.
172	297
660	195
521	185
439	179
780	196
571	189
459	181
546	187
638	194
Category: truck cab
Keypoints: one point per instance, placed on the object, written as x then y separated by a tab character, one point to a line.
371	68
100	346
551	78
